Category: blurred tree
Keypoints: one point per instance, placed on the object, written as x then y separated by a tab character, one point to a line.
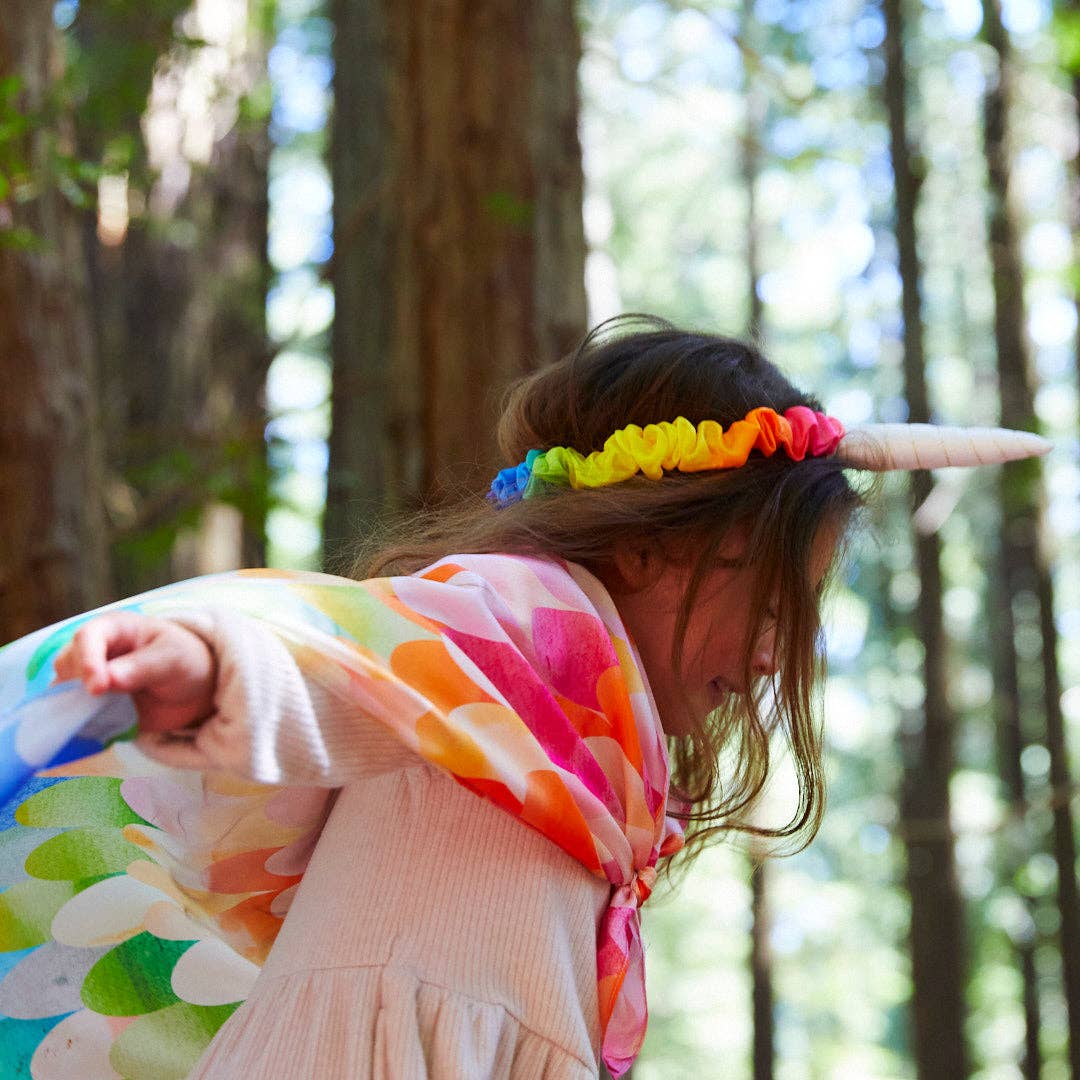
458	239
938	948
763	1001
52	540
764	1054
1024	567
179	273
1067	32
1011	560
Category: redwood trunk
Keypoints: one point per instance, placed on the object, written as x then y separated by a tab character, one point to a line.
763	998
459	247
1024	563
52	551
938	953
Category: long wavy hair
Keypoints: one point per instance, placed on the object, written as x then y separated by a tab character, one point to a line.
640	370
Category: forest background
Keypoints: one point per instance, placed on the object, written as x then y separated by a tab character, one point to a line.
239	323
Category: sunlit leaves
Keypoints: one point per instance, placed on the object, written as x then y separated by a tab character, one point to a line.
1066	31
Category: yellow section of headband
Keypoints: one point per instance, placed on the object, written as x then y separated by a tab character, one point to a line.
667	446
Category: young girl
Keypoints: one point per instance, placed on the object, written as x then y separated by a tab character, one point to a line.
639	594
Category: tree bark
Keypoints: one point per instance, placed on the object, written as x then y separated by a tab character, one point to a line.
52	552
763	999
459	245
764	1049
938	950
1014	847
1023	558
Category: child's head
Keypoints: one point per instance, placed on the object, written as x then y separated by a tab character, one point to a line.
716	573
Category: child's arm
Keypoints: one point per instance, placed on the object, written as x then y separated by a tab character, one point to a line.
215	689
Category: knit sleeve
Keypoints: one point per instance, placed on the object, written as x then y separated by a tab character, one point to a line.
272	724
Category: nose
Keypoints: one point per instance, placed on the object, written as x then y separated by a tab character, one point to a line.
764	660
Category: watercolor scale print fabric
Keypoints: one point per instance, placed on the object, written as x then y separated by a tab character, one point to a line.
140	899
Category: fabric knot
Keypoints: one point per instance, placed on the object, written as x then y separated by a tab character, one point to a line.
642	884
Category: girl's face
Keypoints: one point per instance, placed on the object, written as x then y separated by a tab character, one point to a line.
648	595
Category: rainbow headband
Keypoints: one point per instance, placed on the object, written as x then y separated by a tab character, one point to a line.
670	447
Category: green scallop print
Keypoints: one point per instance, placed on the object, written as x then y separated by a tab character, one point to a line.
364	617
47	649
27	910
83	853
134	978
82	800
166	1044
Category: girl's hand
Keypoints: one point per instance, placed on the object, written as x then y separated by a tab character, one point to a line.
169	671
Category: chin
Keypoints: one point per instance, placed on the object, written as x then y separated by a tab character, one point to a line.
677	724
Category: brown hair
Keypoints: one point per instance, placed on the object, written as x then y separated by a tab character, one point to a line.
638	369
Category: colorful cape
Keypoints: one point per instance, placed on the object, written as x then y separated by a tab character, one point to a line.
140	900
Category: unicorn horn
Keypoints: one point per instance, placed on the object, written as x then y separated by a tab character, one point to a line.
882	447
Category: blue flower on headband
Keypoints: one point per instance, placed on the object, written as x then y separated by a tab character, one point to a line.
509	486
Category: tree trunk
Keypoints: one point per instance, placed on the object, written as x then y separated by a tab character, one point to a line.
764	1052
763	997
52	552
938	952
1024	563
1013	848
1070	10
458	239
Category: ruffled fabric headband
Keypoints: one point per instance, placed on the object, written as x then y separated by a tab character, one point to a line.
800	432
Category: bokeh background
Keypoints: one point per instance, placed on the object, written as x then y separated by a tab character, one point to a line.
264	265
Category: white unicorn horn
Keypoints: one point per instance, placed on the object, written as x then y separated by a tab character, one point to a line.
882	447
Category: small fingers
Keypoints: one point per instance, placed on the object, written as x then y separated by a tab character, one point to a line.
145	668
86	656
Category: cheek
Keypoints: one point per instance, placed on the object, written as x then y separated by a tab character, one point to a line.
713	647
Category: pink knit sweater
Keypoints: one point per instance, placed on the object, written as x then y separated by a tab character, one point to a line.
432	934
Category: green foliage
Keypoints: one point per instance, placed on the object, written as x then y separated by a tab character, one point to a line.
510	209
234	471
14	167
110	69
255	107
21	239
1065	28
35	159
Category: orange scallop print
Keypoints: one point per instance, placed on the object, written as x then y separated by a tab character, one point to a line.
429	669
608	987
247	872
252	918
104	763
615	701
443	572
494	791
451	749
587	722
550	808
